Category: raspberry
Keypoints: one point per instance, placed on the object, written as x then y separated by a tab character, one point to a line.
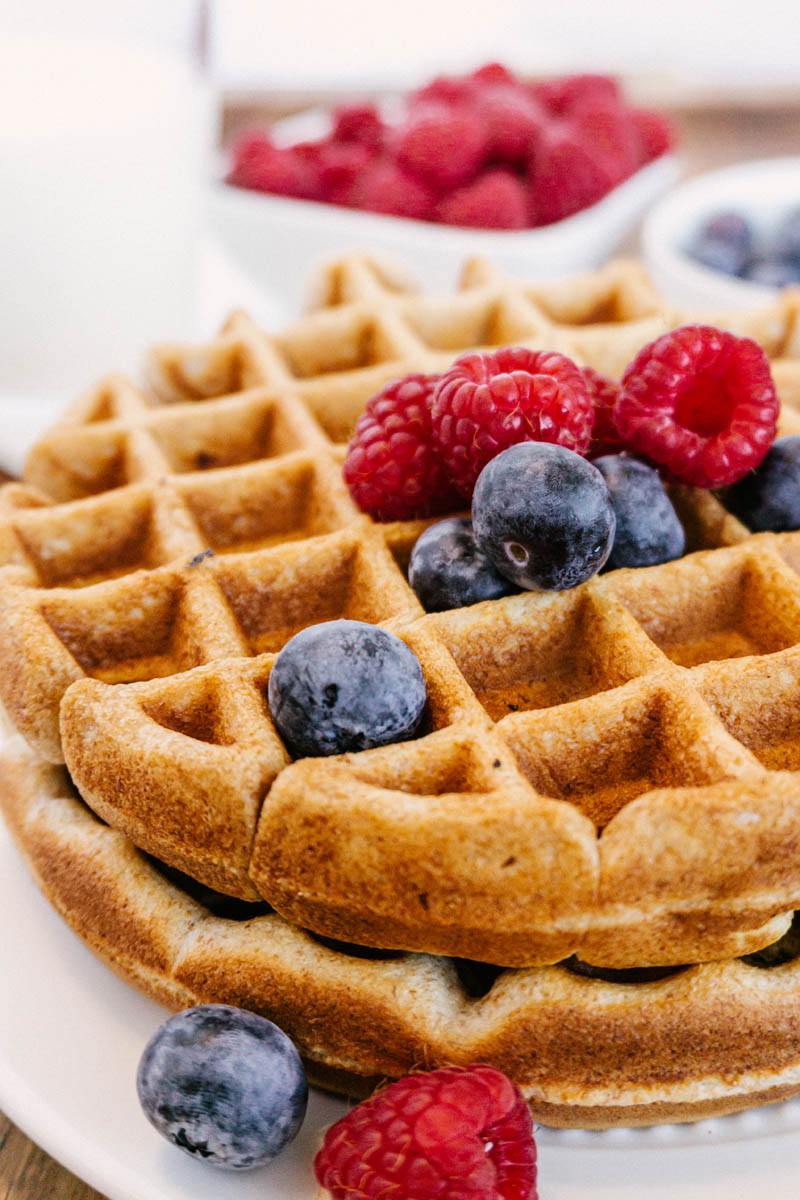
497	199
567	92
514	122
701	403
611	137
340	165
359	123
488	402
656	133
462	1132
259	165
392	468
444	89
565	176
443	146
384	187
604	392
493	73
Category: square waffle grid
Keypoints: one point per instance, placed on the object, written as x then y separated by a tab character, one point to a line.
113	585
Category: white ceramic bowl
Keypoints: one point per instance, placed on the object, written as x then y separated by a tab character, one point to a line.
278	239
763	190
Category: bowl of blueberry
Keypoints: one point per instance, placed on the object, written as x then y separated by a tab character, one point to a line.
729	238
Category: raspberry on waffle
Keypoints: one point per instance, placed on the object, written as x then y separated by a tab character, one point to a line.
608	772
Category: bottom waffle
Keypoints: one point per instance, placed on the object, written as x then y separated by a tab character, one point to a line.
705	1040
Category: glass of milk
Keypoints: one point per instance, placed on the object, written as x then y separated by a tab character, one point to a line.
103	155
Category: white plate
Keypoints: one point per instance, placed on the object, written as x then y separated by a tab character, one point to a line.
71	1034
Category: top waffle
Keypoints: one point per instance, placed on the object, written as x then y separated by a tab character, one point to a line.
657	706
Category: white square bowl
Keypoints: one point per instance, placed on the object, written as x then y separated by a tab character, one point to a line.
277	240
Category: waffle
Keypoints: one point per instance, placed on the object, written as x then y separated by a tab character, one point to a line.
712	1039
608	772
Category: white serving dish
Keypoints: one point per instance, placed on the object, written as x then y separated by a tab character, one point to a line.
763	190
278	239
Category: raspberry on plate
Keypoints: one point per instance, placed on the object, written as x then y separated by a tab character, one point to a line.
459	1132
392	468
701	403
488	402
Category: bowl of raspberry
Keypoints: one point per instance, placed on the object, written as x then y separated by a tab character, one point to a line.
548	176
729	238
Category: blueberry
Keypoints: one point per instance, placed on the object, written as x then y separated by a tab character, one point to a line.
448	570
772	272
787	238
729	226
723	243
768	498
543	515
224	1085
648	530
343	686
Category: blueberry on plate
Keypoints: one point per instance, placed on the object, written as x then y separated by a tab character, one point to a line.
543	515
768	498
344	686
723	243
224	1085
648	530
448	569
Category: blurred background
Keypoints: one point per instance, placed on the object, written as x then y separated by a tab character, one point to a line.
121	123
155	174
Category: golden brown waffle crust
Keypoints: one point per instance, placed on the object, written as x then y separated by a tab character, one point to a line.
611	772
587	1054
614	771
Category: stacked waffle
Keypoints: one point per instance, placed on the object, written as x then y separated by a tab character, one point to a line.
572	872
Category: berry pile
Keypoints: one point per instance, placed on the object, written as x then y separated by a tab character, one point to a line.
486	150
727	242
511	432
